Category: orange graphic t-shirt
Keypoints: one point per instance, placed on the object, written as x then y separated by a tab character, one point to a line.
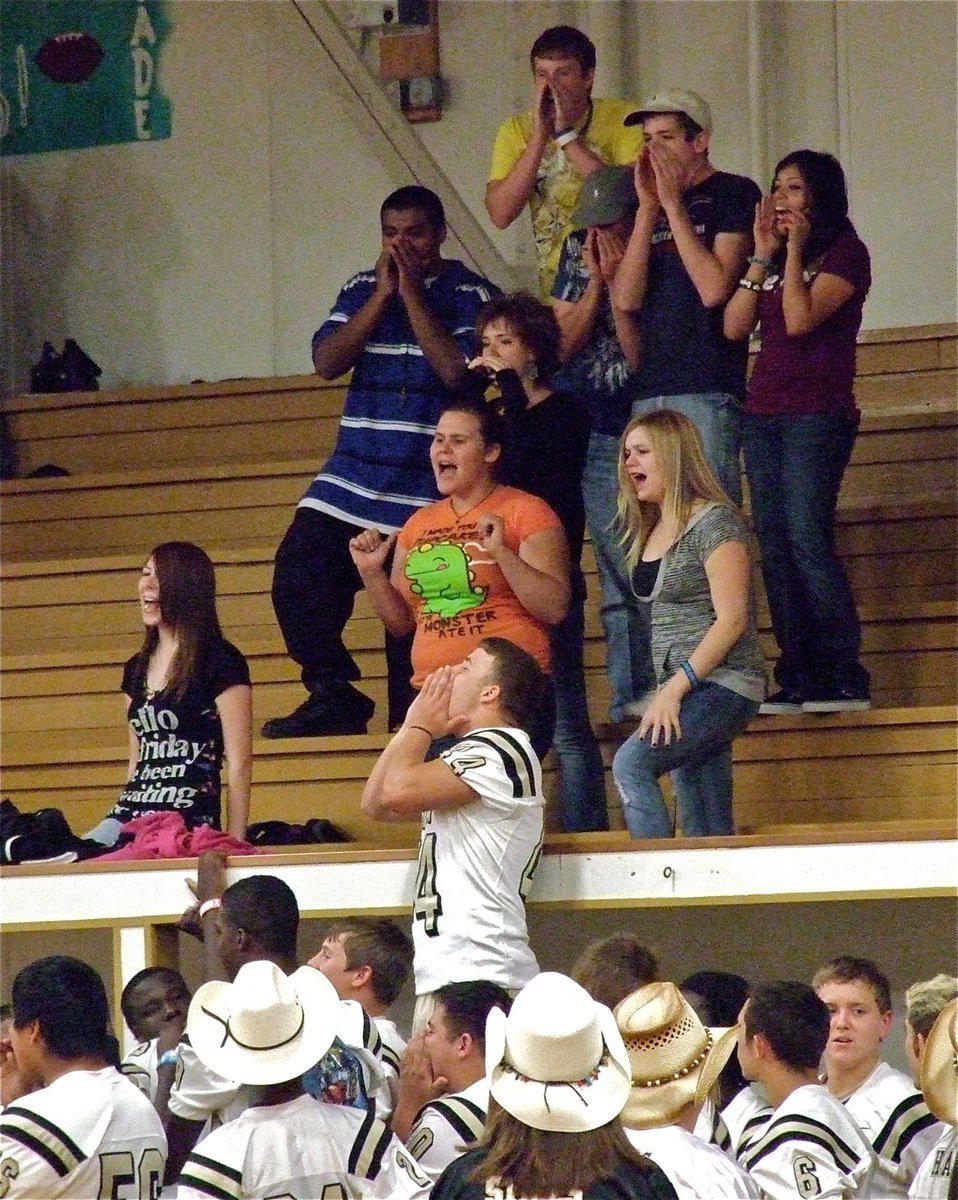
457	593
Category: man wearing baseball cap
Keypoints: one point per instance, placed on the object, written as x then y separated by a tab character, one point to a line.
688	249
600	348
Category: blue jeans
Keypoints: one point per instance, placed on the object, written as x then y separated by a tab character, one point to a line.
700	763
625	620
718	418
795	466
582	776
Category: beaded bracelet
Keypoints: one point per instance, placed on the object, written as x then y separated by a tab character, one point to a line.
750	285
766	264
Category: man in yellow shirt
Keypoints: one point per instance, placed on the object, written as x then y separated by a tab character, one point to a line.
541	157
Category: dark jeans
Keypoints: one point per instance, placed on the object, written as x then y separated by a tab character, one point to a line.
581	773
314	588
795	466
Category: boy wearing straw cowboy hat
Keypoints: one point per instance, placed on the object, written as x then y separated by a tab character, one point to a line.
675	1062
937	1178
266	1029
558	1078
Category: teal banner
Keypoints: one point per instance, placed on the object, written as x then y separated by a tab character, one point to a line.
76	73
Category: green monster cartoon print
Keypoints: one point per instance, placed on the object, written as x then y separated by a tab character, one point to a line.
439	572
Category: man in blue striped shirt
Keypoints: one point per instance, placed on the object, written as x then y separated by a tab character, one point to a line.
405	328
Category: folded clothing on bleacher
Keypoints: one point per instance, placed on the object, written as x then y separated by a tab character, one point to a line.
40	836
165	835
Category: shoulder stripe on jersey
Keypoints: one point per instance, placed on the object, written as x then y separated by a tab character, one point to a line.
390	1058
465	1116
516	762
212	1178
906	1121
794	1128
44	1138
369	1146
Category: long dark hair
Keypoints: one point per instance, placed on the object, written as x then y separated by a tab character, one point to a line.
188	606
825	180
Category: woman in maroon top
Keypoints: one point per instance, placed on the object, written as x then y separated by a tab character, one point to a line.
806	285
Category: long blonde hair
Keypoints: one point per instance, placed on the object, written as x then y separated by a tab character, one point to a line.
677	447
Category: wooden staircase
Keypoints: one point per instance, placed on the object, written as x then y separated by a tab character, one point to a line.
224	465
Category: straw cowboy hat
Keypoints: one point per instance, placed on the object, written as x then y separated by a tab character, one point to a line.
674	1058
265	1026
556	1062
938	1073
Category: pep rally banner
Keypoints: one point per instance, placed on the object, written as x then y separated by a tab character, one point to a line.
77	73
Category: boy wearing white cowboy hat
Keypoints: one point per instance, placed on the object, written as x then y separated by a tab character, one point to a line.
937	1177
255	919
675	1062
266	1029
558	1078
811	1146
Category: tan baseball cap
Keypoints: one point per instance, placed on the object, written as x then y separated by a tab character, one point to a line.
674	100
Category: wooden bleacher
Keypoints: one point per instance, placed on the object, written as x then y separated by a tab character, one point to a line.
236	457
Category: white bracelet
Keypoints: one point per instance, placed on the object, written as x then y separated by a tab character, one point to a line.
209	905
567	136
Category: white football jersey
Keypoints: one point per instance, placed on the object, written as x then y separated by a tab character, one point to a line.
200	1094
695	1169
89	1134
811	1147
744	1118
447	1127
301	1148
934	1176
139	1067
393	1045
476	864
893	1115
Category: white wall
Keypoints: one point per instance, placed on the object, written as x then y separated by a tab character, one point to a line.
218	252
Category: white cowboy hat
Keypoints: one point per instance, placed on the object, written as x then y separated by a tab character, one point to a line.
675	1059
938	1072
265	1026
557	1061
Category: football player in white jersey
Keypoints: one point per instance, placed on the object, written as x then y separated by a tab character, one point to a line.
266	1029
254	919
811	1147
83	1130
932	1049
443	1090
884	1102
481	805
154	1004
368	959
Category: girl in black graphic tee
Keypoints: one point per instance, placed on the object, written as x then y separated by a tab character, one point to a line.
189	702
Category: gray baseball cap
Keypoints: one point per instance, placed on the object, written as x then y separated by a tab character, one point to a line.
605	196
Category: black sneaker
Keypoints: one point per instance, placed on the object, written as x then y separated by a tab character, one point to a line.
840	700
785	701
341	709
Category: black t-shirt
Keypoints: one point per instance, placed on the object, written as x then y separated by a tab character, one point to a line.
181	741
629	1182
545	453
683	348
